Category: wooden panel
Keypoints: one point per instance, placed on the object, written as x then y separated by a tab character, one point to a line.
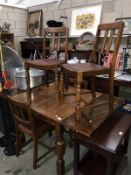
28	47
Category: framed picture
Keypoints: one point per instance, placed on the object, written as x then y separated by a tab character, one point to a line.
127	27
85	20
34	23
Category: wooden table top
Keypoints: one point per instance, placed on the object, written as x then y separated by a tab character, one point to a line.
45	102
92	118
111	132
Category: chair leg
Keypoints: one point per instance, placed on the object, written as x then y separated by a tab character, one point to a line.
35	152
46	79
93	87
111	91
18	142
76	156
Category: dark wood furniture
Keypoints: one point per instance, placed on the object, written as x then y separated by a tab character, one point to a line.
55	39
45	103
26	122
29	45
102	85
108	44
55	46
109	141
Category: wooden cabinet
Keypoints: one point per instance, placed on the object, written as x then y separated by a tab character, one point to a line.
8	39
106	146
28	47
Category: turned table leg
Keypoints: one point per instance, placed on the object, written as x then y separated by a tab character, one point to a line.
60	150
78	96
61	89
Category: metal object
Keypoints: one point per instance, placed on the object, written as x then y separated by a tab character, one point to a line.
36	78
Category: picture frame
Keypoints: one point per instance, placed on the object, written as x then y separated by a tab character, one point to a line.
85	19
34	23
127	27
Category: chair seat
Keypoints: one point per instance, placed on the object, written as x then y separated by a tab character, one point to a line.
45	64
41	128
87	68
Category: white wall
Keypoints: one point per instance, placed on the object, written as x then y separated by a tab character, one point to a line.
111	9
18	19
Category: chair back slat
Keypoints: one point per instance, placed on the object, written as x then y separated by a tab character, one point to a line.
52	42
59	41
21	113
109	42
104	41
55	39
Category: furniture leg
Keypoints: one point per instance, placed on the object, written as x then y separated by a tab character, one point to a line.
93	87
126	141
56	80
60	149
76	156
18	142
46	78
35	146
61	89
109	167
78	96
111	89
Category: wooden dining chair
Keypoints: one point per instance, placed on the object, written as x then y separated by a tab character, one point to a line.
55	46
55	42
106	46
27	123
107	41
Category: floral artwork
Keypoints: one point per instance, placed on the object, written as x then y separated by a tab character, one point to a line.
85	20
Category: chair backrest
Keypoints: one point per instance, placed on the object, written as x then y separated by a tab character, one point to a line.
108	38
55	39
22	115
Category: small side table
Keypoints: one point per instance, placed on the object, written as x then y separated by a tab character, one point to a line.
109	142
